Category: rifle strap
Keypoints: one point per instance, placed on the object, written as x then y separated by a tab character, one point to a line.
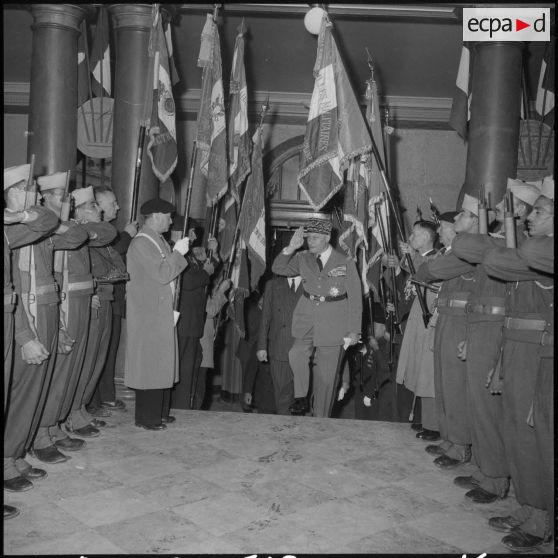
65	303
29	300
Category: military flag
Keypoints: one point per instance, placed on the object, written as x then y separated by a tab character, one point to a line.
211	129
544	102
239	144
461	106
251	221
377	202
355	210
172	66
335	132
240	289
100	56
162	147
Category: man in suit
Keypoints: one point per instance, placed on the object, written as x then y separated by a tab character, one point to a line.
275	338
326	318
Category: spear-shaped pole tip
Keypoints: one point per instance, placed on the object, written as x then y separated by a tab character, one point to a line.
241	29
216	11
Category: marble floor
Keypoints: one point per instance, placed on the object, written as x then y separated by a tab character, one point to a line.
231	482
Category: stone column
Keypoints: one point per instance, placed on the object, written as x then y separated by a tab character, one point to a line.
132	23
494	126
52	131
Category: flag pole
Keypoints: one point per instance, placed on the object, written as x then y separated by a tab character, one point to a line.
527	114
545	87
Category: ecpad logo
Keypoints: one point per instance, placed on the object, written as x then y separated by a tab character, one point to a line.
506	24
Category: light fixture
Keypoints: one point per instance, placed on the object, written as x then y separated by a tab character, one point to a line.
313	20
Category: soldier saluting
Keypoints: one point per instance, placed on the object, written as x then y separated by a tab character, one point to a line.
329	311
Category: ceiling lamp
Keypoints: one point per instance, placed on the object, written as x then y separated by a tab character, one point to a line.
313	20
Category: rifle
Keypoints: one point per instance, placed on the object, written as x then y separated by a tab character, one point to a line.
483	212
188	202
137	173
30	187
509	221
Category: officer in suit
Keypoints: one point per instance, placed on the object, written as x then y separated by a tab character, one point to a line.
326	317
275	338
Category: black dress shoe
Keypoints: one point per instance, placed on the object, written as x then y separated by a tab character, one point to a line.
98	412
428	435
481	496
96	423
70	444
519	541
168	420
117	405
299	406
445	462
33	473
10	511
87	431
50	455
468	483
434	449
504	524
416	426
151	426
18	484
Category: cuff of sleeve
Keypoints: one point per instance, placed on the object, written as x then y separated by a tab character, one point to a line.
23	337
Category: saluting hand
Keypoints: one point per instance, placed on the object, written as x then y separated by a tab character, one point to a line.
297	240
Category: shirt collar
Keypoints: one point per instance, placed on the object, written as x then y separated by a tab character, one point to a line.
324	256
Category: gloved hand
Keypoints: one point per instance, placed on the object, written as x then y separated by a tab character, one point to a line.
34	352
182	246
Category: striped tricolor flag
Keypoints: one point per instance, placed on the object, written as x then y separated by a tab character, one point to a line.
335	131
461	106
211	131
544	102
100	56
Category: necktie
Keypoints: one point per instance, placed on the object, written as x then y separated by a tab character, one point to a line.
320	264
293	286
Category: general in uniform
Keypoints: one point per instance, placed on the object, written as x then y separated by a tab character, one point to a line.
329	311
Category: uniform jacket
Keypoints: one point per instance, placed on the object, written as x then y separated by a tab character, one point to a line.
105	261
74	237
327	322
151	348
275	334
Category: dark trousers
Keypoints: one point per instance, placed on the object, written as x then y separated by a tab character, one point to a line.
190	358
152	405
105	390
30	383
8	352
283	385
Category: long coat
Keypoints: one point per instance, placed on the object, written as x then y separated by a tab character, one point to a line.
151	347
329	321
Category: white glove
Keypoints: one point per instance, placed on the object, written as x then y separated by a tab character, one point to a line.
182	245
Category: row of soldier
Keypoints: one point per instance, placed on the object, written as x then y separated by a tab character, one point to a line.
482	366
475	330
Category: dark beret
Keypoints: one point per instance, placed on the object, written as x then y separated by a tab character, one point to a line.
320	226
157	205
448	216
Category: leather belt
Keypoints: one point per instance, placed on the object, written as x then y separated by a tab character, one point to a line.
10	299
80	285
319	298
45	289
523	323
485	309
451	303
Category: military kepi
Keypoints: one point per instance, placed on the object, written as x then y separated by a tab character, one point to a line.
448	216
83	195
523	191
157	205
470	204
320	225
13	175
52	181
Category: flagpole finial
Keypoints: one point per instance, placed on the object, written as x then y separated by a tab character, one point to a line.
369	62
265	109
216	11
241	29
